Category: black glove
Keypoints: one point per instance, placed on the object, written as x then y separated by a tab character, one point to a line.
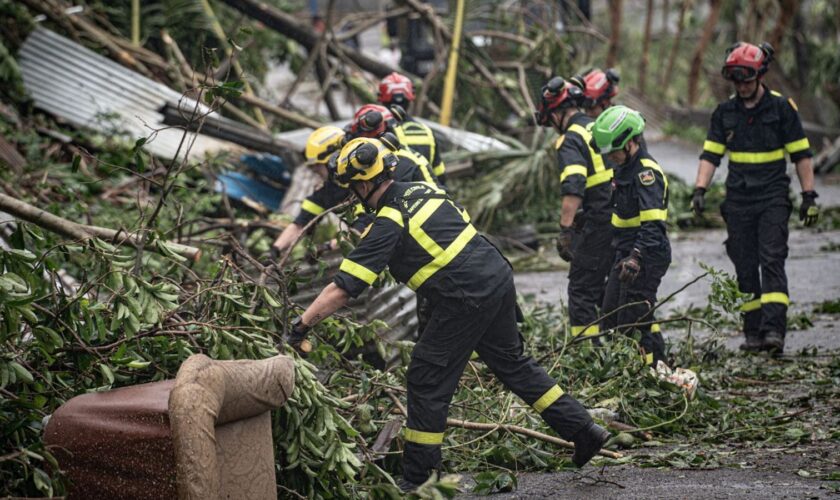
564	243
698	202
630	267
809	211
296	338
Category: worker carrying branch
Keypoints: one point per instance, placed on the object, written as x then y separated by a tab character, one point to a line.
759	128
427	242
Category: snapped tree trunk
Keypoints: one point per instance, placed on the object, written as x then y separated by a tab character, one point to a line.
667	75
700	50
615	32
643	66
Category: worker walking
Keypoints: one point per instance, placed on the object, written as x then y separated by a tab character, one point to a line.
757	127
585	231
642	249
396	92
427	242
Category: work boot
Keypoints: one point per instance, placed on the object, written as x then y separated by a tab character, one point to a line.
406	486
752	344
588	441
774	343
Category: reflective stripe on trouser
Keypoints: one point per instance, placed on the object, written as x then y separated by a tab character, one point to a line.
588	275
643	289
439	358
757	244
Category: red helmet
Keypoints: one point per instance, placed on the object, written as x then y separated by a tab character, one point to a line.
556	95
396	88
371	120
746	62
599	87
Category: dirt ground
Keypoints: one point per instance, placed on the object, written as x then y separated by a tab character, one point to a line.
785	472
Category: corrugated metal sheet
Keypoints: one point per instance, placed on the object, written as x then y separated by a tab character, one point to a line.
460	139
88	90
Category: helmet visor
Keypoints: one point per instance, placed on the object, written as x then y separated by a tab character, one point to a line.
739	73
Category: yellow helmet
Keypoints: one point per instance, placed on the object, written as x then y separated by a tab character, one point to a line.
364	159
322	143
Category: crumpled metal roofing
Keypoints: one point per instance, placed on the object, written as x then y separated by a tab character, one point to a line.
462	139
88	90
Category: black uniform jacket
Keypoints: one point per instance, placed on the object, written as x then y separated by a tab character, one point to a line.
420	138
412	167
756	140
427	242
583	172
640	204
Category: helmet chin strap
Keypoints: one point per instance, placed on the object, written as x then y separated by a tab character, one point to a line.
364	199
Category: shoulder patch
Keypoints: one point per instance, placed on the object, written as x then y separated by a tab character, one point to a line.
559	141
646	177
793	104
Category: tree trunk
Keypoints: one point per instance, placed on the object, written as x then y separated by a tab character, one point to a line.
787	12
293	28
81	232
643	66
667	75
697	60
615	32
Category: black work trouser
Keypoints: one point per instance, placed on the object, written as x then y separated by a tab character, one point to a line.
642	294
757	244
439	358
593	257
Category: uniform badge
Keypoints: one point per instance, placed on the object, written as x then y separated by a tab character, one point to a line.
646	177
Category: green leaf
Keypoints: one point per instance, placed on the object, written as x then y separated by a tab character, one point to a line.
42	482
77	161
106	372
21	372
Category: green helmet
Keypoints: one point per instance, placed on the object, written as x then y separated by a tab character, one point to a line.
615	127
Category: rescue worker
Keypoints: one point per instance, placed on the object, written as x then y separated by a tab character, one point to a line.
757	126
640	209
427	242
375	121
599	88
396	92
585	231
321	144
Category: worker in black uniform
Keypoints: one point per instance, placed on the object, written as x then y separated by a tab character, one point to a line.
585	231
427	242
757	127
374	121
640	209
599	89
320	145
396	92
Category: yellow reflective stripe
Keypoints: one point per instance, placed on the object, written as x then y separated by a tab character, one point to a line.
597	160
763	157
646	162
423	437
655	328
415	224
547	399
752	305
592	330
443	258
312	208
440	169
649	358
775	297
796	146
653	214
619	222
358	271
392	214
572	170
599	178
714	147
358	209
